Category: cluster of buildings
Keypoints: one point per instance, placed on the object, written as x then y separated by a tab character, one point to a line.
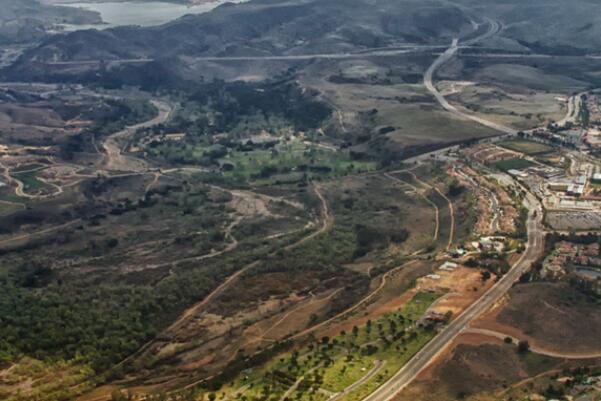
559	191
568	254
445	267
489	244
572	186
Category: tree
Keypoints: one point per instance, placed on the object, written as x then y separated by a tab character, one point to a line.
523	347
485	276
455	188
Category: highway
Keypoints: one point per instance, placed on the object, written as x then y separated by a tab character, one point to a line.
422	359
534	247
444	58
439	62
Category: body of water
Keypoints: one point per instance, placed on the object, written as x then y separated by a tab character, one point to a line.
140	13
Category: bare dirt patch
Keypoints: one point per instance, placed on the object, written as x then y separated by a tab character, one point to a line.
549	315
474	367
463	286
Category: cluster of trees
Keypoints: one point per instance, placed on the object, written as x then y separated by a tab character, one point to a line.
233	101
49	317
370	238
238	108
109	117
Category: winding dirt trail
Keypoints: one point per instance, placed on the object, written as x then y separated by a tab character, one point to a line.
114	158
421	194
450	204
327	223
41	232
353	308
534	348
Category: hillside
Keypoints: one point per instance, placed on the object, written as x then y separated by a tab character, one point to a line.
549	26
257	28
22	21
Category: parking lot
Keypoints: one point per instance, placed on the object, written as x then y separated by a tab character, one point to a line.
574	221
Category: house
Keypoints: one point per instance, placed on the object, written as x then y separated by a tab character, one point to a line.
565	247
517	173
175	137
458	252
575	190
555	264
591	250
581	260
448	266
492	244
436	317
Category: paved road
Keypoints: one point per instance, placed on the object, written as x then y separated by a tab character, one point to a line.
422	359
99	62
444	58
428	76
393	51
534	248
372	372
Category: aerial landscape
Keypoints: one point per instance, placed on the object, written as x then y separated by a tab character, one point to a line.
300	200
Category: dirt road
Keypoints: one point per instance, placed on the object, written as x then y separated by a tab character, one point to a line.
114	159
362	302
534	248
534	348
428	353
36	233
422	195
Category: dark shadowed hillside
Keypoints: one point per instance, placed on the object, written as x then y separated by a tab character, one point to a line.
256	28
550	26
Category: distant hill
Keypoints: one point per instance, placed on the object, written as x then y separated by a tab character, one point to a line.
23	21
549	26
260	27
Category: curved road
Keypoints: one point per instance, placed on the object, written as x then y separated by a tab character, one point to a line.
428	76
534	247
115	159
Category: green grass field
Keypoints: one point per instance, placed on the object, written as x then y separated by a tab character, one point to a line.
290	162
512	164
30	181
331	365
527	147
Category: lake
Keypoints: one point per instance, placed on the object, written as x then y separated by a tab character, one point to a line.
140	13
